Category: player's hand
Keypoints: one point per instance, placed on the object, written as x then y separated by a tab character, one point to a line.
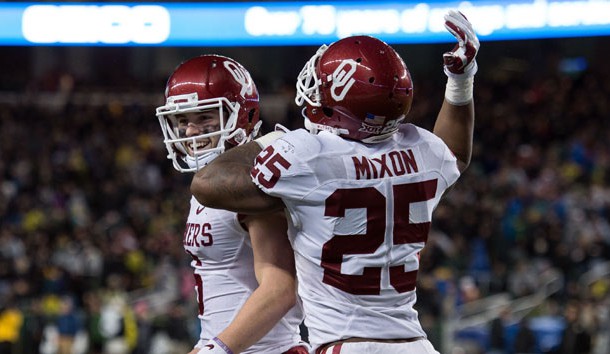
460	61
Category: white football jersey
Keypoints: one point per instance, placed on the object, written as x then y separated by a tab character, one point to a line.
224	276
360	216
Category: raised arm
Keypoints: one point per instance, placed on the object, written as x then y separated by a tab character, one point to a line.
455	125
276	293
455	121
226	183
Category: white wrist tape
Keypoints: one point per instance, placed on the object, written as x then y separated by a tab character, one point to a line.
215	346
459	91
269	138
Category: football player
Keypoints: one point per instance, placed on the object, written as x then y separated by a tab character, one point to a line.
245	284
359	186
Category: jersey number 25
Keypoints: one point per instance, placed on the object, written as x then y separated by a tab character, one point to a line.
403	232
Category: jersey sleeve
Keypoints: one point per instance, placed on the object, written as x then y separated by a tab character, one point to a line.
442	158
281	169
449	168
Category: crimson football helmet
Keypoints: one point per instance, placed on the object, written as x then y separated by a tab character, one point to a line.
208	82
358	88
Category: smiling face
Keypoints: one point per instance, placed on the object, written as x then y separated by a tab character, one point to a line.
195	124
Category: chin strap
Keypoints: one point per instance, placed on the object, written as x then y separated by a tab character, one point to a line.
197	163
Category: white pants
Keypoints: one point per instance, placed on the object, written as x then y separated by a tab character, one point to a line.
422	346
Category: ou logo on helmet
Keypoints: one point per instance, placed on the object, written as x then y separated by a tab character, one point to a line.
241	76
342	79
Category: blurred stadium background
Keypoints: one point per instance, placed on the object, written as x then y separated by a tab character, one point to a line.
92	214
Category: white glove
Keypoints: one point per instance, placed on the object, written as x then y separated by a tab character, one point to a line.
215	346
460	61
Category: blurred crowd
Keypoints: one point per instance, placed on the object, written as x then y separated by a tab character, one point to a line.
92	215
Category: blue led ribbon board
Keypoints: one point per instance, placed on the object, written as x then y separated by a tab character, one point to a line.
290	23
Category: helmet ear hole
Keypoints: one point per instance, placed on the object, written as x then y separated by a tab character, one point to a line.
328	111
251	114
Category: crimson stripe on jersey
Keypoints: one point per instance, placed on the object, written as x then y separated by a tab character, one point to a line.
199	283
241	218
336	349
